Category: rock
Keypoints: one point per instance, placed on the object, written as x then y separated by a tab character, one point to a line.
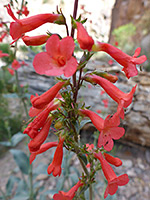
137	12
147	155
42	177
131	173
127	163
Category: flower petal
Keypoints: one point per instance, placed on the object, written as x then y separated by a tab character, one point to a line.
123	180
108	145
67	47
52	46
44	64
70	67
112	188
116	132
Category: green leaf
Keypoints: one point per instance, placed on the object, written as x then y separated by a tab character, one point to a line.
6	144
83	157
21	159
10	184
18	137
42	197
60	186
83	122
74	178
21	197
22	188
40	169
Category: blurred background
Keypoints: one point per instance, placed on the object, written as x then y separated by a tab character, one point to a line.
124	24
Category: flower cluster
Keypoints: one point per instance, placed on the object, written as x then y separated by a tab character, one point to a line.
59	104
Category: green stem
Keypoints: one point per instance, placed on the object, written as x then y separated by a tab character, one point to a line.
31	194
83	166
90	192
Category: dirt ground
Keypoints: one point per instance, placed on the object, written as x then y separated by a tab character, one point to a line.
136	163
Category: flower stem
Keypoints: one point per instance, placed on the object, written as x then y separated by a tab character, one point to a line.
74	15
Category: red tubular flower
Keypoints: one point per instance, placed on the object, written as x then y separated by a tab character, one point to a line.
123	99
35	40
105	101
43	148
34	145
108	128
55	166
33	128
67	195
3	54
113	180
15	65
57	59
41	101
21	26
128	62
54	104
112	160
85	41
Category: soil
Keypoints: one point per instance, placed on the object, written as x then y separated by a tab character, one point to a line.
136	163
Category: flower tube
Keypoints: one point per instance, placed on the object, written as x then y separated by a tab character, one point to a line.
34	145
123	99
22	26
128	62
35	40
40	101
55	166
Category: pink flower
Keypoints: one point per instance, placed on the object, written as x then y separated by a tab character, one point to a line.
22	26
55	166
37	141
35	40
57	59
68	195
43	148
3	54
85	41
98	111
11	71
110	62
113	180
128	62
15	65
102	92
23	63
89	147
123	99
105	101
108	128
44	99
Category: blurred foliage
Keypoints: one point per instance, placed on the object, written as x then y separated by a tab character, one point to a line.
123	35
9	125
7	81
5	48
